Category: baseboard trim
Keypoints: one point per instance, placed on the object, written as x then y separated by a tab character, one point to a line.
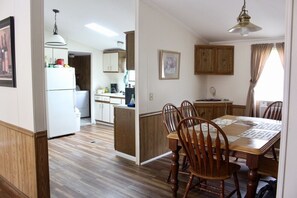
11	188
155	158
126	156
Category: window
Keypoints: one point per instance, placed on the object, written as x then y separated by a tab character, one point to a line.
271	82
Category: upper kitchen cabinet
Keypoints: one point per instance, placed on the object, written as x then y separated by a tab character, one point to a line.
130	50
52	54
114	61
214	59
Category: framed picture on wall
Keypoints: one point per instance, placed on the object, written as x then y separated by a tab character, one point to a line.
169	63
7	53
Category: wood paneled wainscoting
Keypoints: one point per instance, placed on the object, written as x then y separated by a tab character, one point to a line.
153	136
24	161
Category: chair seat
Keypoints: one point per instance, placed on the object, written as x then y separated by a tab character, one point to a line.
222	175
268	167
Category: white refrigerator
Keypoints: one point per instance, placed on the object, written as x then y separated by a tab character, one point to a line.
62	115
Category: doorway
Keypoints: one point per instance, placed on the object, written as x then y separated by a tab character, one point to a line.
81	61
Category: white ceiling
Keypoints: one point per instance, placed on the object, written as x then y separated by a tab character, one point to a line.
208	19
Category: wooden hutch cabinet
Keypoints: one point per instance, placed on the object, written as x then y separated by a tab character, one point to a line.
214	59
213	109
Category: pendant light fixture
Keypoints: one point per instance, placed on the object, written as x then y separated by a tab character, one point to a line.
244	26
56	39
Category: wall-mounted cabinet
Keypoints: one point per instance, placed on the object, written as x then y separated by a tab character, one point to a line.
114	61
214	59
130	50
52	54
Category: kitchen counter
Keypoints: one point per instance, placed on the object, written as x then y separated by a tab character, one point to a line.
112	95
104	106
124	131
213	101
122	106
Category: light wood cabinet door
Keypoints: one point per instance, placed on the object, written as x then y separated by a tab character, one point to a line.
213	59
204	59
106	62
52	54
98	111
111	113
59	53
225	59
105	112
114	61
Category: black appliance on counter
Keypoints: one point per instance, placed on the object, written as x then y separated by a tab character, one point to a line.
113	88
128	94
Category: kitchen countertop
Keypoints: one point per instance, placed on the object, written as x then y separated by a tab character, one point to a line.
113	95
213	101
124	107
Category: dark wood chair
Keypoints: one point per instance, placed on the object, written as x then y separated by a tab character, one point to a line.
274	112
188	110
171	117
207	149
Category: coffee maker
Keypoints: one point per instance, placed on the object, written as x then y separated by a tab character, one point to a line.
113	88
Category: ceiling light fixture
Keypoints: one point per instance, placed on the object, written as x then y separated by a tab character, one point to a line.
244	26
56	39
102	30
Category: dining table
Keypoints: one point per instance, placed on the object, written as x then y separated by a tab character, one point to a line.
248	138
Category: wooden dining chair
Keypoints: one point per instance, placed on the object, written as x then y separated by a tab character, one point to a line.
171	117
188	110
274	112
207	149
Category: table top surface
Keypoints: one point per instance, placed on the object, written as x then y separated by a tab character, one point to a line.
247	134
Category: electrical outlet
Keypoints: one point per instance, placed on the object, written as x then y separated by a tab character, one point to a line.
151	96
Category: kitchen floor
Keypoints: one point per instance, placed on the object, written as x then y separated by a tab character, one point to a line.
86	165
85	121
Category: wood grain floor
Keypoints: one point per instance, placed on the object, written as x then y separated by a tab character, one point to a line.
86	165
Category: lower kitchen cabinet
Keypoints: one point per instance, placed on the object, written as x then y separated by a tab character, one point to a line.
102	111
124	130
212	110
104	107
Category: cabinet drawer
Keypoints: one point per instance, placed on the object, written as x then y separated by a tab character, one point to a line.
115	100
102	98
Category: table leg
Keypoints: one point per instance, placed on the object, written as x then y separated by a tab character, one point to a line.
173	145
252	163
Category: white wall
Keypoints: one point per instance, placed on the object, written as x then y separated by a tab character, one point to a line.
18	105
235	87
158	31
288	160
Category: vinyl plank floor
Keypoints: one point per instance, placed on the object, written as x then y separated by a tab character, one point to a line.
85	165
